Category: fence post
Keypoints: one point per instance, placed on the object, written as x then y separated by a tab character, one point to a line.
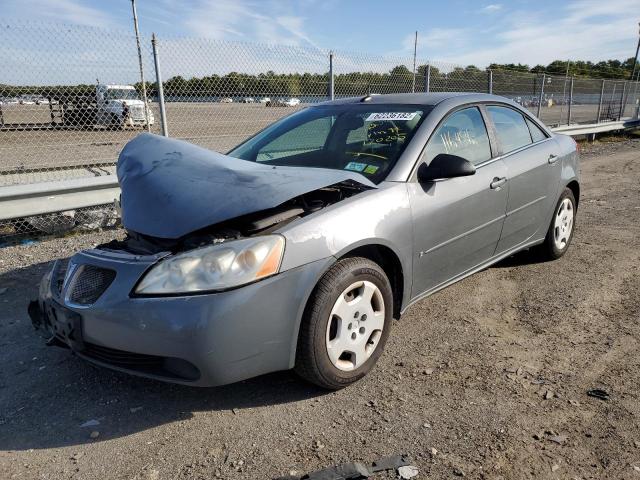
144	84
156	62
600	101
331	80
637	99
541	94
490	87
427	78
570	102
623	101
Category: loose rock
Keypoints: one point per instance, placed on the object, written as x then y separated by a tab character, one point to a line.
408	471
559	439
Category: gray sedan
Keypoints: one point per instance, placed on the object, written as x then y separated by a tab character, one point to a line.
299	247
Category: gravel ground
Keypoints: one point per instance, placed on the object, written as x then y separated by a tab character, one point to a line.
487	378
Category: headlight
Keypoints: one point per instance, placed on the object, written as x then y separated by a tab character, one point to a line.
218	267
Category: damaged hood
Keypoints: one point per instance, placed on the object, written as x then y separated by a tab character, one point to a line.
171	188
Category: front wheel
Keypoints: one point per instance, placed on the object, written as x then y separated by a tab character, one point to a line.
115	122
346	324
561	229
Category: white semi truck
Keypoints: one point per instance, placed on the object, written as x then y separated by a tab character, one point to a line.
112	106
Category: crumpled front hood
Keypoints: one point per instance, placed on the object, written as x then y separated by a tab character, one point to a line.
171	188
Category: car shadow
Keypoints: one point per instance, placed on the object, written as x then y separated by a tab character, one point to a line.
51	398
524	257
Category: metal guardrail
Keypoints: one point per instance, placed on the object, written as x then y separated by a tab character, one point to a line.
577	130
20	201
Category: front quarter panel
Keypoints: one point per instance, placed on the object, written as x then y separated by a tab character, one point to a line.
380	216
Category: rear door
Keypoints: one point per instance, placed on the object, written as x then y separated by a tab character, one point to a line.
457	221
533	173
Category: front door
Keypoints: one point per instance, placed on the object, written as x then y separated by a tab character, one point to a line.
457	221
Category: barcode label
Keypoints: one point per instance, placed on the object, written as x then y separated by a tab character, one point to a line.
373	117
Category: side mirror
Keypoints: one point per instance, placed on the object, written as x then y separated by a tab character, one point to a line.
445	166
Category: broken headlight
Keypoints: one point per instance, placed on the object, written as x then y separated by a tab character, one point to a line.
217	267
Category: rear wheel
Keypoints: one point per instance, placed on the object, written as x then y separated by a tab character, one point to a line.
346	324
561	229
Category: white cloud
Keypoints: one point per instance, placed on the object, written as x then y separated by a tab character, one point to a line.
581	29
67	11
240	20
492	7
442	36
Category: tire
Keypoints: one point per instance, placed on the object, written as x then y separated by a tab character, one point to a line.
358	290
561	228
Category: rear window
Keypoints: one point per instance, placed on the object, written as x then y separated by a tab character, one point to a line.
511	128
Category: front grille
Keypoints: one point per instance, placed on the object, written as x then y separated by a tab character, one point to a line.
89	283
137	112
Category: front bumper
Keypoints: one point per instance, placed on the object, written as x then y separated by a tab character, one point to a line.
203	340
133	122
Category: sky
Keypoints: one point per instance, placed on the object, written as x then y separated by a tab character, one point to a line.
456	31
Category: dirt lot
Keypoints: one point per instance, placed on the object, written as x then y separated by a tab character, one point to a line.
486	379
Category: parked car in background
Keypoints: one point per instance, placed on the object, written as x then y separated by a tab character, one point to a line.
226	100
27	100
265	100
247	100
284	102
299	247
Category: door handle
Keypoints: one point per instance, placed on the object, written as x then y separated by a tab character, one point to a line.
552	159
498	182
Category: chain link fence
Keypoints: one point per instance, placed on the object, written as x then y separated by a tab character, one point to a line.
70	98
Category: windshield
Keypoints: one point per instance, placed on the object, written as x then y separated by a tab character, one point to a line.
122	94
362	138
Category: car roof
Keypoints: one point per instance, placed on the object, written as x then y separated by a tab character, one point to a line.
430	99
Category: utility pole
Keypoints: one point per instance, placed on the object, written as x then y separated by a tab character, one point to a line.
144	85
415	52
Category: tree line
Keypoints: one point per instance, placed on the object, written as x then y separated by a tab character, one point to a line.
506	78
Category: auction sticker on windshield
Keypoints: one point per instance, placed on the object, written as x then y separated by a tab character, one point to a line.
355	166
382	116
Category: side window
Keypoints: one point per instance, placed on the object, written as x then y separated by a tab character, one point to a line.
305	138
511	129
463	134
536	133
